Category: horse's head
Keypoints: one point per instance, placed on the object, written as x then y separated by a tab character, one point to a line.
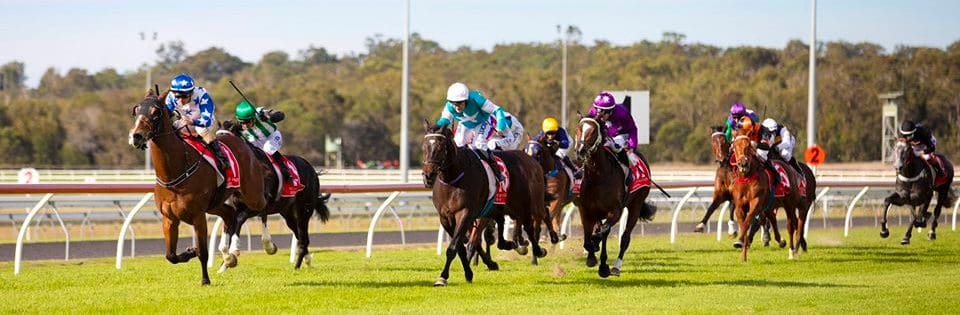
745	153
718	141
533	149
589	137
233	127
438	150
904	154
152	118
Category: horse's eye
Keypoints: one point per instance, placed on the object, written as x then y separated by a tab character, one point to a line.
133	111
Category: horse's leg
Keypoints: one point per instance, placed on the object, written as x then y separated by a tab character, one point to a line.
551	228
171	230
942	199
483	250
893	199
228	243
604	269
533	232
913	220
717	201
299	232
803	211
556	214
749	226
474	239
502	242
588	225
632	217
461	225
200	228
268	246
732	222
792	230
772	220
518	237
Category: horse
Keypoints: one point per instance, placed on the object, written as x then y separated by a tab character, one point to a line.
461	195
753	195
721	190
187	187
296	211
558	181
603	196
915	187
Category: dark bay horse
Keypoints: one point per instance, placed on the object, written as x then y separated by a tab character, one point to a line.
556	177
753	196
187	187
461	194
915	187
296	211
603	196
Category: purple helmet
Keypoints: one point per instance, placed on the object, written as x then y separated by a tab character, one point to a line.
738	109
604	100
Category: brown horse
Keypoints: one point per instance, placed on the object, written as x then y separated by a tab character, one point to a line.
296	211
187	187
558	182
461	194
603	196
915	187
753	196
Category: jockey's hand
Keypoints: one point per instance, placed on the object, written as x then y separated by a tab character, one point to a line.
498	133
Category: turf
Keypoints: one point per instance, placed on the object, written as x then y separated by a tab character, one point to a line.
859	274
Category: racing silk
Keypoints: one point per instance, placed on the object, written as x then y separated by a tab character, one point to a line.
561	137
199	109
925	138
261	130
734	124
620	123
476	112
781	139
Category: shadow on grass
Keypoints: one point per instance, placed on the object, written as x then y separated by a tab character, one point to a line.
614	282
361	284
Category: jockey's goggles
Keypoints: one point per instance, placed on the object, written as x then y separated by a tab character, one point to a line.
179	94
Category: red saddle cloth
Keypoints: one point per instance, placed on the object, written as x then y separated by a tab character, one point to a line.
500	197
639	171
293	186
232	172
784	186
938	179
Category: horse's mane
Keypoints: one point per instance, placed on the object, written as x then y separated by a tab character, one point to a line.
716	128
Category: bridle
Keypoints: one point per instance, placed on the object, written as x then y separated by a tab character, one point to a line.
597	140
155	121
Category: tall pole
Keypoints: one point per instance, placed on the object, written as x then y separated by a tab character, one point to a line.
149	85
563	84
812	93
404	95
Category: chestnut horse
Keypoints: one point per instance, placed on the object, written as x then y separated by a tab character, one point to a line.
915	187
558	189
187	187
753	197
603	196
462	194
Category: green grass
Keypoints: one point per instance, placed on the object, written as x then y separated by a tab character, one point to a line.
859	274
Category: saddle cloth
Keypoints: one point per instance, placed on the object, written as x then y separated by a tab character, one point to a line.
231	173
287	188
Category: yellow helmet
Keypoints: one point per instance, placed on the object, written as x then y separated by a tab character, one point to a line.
550	124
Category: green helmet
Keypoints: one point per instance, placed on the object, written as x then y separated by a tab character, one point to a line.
245	111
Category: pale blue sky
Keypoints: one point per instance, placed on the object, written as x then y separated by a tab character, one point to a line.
99	34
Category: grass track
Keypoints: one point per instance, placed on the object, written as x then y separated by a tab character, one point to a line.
860	274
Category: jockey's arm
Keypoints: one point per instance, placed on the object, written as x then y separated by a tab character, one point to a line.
270	115
503	122
446	117
630	128
206	108
728	133
564	138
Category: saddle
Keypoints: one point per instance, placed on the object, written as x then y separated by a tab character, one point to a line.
220	157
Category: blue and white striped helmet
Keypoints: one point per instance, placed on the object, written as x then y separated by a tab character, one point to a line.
182	83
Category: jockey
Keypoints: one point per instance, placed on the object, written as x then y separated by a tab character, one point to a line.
779	138
483	125
922	142
558	137
739	116
619	123
194	105
260	129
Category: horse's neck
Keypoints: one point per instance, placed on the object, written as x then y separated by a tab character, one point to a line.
457	165
166	151
915	167
599	163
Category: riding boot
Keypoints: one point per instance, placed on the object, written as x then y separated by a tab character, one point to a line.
283	167
577	172
487	155
773	171
623	158
214	147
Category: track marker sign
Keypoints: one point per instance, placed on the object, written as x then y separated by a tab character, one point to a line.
815	155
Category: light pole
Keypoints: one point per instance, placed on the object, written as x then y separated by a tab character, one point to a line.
563	76
404	96
812	93
148	42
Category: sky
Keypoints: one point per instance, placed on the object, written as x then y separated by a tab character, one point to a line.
95	35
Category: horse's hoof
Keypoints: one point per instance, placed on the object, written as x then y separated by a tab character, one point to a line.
733	234
506	245
884	233
699	228
783	244
522	250
738	244
766	243
604	271
230	260
591	262
615	272
468	276
563	237
791	255
493	266
932	236
542	253
223	268
441	282
905	241
269	247
205	282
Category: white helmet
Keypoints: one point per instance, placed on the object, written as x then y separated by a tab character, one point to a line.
457	92
770	124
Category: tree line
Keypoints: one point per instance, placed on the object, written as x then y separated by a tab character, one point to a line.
81	119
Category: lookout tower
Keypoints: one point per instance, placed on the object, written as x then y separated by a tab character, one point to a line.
891	102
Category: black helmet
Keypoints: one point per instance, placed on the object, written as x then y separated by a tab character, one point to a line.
907	128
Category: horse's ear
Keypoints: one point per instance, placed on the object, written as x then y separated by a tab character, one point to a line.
426	126
579	115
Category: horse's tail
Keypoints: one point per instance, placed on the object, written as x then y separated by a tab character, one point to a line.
647	212
321	207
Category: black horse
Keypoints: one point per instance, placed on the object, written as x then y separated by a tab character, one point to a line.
915	187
